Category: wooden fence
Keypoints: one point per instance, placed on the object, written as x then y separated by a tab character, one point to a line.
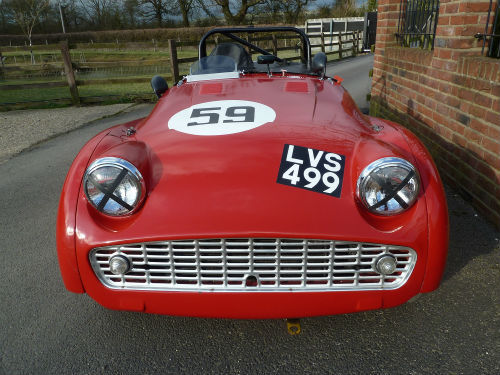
341	44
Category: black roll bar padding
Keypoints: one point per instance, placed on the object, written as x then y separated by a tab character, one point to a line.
202	49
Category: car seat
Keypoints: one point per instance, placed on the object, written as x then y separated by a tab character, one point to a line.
236	52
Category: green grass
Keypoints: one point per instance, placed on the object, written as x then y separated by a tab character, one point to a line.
23	81
115	89
85	55
16	96
35	105
126	90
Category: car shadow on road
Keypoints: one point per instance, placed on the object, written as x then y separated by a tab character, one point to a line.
471	235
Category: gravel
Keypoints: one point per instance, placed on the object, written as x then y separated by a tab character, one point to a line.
20	130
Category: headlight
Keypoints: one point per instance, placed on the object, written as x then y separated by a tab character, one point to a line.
388	186
114	186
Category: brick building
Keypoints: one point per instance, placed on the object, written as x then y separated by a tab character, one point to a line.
433	74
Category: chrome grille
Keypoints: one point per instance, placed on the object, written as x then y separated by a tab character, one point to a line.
251	264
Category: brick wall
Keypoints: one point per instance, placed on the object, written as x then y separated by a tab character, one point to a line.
449	97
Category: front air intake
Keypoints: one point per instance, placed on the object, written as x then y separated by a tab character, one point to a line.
253	264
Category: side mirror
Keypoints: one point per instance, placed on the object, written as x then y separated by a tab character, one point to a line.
266	59
159	85
319	64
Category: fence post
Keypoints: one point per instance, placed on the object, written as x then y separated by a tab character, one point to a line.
174	64
331	34
322	41
340	45
354	43
275	45
70	75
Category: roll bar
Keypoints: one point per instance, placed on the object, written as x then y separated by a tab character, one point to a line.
202	49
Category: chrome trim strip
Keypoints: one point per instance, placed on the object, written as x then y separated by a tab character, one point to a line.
280	265
211	76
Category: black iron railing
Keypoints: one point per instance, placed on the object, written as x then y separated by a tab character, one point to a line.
417	23
492	41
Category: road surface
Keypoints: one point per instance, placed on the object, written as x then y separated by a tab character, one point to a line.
355	73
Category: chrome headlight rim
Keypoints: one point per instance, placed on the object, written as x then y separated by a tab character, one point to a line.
124	165
385	163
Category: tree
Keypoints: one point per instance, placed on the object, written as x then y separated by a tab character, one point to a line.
49	20
205	8
185	6
323	11
101	13
372	6
131	12
270	11
345	8
72	15
287	11
293	9
240	7
5	17
27	15
156	10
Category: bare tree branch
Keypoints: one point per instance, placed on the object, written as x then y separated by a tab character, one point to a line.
185	6
101	12
202	4
27	14
242	7
157	10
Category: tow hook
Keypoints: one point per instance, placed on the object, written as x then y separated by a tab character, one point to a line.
293	326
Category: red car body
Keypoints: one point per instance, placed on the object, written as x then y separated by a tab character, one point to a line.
225	187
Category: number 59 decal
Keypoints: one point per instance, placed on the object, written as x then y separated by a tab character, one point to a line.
311	169
221	117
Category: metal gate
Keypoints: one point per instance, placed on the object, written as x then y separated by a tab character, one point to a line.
370	30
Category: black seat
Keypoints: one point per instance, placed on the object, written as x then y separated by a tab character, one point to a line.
235	51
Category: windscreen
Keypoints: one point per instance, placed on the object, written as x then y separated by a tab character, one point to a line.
213	64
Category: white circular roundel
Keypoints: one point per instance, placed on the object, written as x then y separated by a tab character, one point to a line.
221	117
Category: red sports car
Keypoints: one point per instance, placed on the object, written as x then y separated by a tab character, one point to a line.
253	190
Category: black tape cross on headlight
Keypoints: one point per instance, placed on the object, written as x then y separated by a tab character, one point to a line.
392	192
109	193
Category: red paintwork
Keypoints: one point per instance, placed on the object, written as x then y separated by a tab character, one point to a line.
66	216
225	186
